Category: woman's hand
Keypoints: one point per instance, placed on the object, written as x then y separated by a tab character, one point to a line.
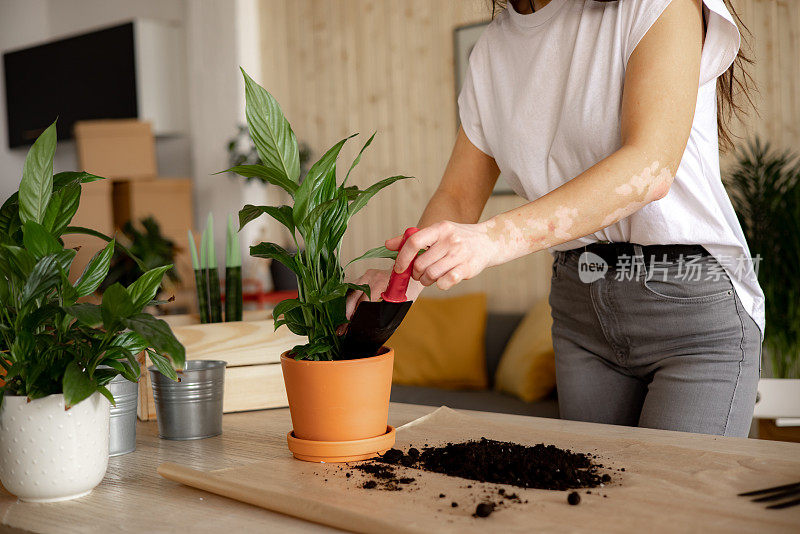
455	252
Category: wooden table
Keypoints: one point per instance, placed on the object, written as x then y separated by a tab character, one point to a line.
134	498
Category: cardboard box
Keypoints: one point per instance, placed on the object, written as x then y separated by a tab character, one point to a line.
169	202
120	149
95	212
252	349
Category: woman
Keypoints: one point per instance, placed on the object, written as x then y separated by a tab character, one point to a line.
604	116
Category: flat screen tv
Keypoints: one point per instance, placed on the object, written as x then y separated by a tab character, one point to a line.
91	76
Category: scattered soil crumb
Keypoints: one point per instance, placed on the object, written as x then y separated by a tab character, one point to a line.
370	484
574	498
484	509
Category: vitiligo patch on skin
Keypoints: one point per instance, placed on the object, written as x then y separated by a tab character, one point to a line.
642	188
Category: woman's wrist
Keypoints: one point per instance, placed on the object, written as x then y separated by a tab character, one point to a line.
510	240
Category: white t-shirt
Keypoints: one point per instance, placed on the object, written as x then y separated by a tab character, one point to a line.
543	97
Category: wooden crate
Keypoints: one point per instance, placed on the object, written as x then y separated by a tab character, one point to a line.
253	378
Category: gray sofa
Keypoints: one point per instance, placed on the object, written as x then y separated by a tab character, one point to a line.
499	328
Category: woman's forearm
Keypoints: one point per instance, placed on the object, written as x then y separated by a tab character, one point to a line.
612	189
447	206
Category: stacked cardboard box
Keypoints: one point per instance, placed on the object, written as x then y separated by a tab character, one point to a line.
124	152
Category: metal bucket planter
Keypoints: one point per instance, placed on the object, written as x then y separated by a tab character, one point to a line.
122	432
192	407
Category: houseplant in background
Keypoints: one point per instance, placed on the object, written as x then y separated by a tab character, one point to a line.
59	354
764	187
146	243
339	407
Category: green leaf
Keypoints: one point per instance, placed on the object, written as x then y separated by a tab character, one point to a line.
131	341
65	178
62	207
158	336
275	252
163	365
146	287
9	215
284	306
45	275
305	199
19	261
104	390
38	240
358	158
364	197
267	174
377	252
270	131
116	305
282	214
100	235
77	385
95	271
36	186
320	210
88	314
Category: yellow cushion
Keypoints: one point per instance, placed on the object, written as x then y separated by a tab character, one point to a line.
441	344
527	367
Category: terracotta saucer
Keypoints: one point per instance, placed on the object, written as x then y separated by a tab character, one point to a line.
340	451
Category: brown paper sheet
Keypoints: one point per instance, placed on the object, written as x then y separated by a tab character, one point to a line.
664	487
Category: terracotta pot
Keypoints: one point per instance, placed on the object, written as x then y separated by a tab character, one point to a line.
339	401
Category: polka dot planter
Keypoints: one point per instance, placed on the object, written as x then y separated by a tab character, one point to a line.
50	454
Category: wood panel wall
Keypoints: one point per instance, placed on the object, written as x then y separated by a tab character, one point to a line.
775	47
344	66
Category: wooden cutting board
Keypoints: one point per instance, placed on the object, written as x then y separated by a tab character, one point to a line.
665	487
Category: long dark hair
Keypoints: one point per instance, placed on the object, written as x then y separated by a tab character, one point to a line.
733	86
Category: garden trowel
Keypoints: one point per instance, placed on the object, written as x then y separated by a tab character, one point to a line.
374	322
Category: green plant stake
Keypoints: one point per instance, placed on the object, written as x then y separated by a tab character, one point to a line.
233	275
320	212
214	299
199	281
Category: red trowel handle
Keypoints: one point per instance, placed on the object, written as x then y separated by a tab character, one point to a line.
398	282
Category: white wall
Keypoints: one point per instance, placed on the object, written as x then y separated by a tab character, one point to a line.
21	22
30	22
220	34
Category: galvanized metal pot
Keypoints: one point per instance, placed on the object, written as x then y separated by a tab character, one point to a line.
192	407
122	432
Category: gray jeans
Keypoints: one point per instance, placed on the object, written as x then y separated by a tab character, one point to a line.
653	349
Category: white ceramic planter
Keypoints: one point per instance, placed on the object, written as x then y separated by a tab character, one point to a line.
49	454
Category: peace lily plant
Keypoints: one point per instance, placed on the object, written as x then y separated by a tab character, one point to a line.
331	399
317	220
58	354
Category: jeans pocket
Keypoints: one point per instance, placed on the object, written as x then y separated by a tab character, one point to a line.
704	281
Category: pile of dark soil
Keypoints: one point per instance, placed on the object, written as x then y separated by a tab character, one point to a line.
539	466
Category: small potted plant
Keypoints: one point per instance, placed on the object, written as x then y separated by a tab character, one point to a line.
339	407
59	354
764	186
